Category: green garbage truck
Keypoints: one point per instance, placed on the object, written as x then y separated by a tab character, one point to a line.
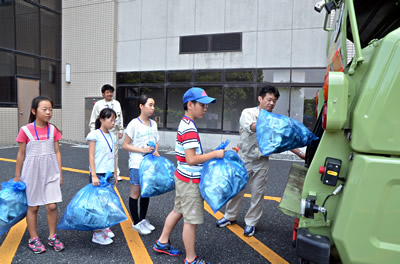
346	199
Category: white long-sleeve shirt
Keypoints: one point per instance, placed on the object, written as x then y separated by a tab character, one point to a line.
113	104
248	146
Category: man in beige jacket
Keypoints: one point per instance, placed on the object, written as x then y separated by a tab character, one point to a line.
108	102
256	164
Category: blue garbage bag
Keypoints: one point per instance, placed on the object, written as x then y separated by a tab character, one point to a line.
222	179
13	204
156	175
93	208
277	133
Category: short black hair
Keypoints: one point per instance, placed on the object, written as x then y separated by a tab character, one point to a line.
143	99
185	104
269	89
107	87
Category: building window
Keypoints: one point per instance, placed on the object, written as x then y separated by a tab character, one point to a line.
7	82
211	43
30	47
7	27
234	89
235	100
27	27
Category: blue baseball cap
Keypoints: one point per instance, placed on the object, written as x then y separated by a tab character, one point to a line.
199	95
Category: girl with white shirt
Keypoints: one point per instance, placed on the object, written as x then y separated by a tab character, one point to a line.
138	133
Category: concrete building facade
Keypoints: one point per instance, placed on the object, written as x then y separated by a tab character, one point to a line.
104	40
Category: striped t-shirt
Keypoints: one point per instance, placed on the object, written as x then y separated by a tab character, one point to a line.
187	138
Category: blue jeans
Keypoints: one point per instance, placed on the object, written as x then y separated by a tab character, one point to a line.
134	176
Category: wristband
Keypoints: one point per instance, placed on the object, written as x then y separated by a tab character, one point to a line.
301	152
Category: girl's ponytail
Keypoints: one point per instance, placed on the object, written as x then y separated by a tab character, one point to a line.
97	124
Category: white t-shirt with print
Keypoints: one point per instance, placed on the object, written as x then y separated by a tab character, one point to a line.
140	135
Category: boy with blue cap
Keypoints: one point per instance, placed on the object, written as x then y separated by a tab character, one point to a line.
188	200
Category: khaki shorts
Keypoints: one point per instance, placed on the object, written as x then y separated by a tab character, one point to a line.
188	202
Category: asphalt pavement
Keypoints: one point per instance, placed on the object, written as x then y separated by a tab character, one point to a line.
216	245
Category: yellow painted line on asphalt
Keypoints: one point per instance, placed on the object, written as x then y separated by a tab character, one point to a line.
253	242
272	198
9	160
12	241
135	243
64	168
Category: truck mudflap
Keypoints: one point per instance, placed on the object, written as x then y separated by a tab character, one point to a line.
291	199
312	248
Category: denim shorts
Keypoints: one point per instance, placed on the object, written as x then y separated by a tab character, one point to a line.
134	176
110	180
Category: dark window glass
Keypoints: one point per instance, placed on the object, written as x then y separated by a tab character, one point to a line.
179	77
53	4
213	116
50	34
303	104
7	80
235	100
175	110
28	66
128	98
128	78
308	75
208	76
7	29
273	76
190	44
158	95
152	77
226	42
50	81
27	27
239	76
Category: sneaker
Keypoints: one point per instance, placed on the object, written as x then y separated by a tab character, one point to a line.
36	245
166	249
55	243
197	260
119	178
147	224
224	222
101	238
107	231
249	230
141	228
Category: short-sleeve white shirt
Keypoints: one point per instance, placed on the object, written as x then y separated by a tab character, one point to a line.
140	134
103	156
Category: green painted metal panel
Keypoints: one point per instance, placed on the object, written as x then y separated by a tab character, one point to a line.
375	119
338	93
366	227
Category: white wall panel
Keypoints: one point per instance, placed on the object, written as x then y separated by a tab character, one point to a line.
176	61
181	17
241	16
128	56
308	49
274	48
210	16
304	15
275	14
154	19
248	57
153	54
208	60
129	20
